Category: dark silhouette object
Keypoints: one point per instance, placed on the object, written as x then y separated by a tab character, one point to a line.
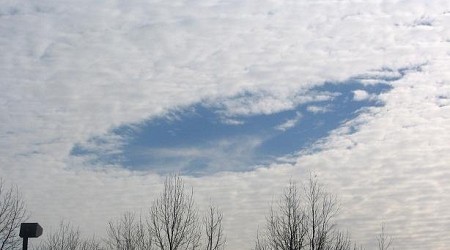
129	233
172	223
286	226
67	237
215	239
174	218
29	230
384	240
303	219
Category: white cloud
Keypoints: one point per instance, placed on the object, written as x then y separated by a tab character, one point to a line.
74	70
264	102
394	167
231	154
318	109
361	95
289	123
232	121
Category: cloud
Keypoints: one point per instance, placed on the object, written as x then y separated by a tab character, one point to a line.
318	109
230	121
90	67
174	141
397	148
361	95
289	123
230	154
268	103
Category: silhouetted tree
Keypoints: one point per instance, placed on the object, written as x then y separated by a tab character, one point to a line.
91	244
303	221
174	219
129	233
212	222
286	228
320	209
12	213
384	240
66	237
172	224
261	243
341	241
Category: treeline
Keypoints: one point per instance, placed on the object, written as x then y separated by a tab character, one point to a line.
302	218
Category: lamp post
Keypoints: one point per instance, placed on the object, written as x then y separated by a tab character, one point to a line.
29	230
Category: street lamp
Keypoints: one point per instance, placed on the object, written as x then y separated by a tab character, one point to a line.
29	230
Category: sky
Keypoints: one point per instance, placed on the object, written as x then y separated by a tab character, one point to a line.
100	100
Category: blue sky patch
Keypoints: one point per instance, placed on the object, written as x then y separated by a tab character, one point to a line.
200	139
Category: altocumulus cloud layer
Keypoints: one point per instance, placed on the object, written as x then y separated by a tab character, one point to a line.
73	71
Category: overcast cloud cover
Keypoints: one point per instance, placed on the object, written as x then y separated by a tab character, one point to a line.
75	70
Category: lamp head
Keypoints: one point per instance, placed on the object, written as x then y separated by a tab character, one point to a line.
30	230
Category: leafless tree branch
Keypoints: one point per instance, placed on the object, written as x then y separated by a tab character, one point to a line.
384	240
212	222
66	237
303	221
174	219
321	208
129	233
12	213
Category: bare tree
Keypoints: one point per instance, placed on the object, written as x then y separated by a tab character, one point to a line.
384	240
66	237
342	241
303	221
174	218
91	244
321	208
12	213
212	221
261	243
129	233
172	224
286	227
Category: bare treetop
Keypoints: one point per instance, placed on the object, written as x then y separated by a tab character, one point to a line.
129	233
212	221
384	240
303	220
174	218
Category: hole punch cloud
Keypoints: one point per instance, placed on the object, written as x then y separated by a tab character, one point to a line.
203	138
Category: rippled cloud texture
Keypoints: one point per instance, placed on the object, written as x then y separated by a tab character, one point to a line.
72	71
